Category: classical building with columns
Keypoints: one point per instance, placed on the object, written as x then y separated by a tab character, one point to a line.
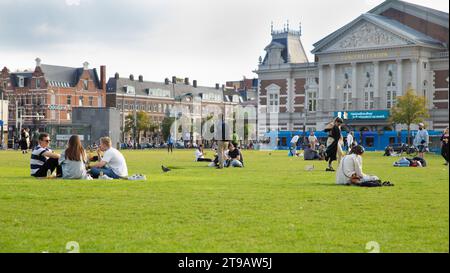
360	70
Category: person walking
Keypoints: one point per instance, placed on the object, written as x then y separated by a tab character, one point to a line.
170	144
444	145
421	140
334	136
24	140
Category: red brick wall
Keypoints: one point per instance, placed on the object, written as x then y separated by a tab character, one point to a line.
441	105
300	86
440	79
281	83
431	29
441	95
299	100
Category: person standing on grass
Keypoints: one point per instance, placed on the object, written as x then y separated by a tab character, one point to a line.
43	159
112	163
312	139
421	140
170	144
73	160
334	136
350	139
24	140
444	146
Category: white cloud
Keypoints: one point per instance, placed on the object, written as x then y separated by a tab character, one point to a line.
73	2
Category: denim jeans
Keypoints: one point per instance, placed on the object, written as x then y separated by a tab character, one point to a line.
95	172
235	163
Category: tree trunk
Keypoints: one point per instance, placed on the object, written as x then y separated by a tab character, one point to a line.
409	137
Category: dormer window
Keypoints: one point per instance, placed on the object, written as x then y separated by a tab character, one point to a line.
130	89
85	84
21	81
38	83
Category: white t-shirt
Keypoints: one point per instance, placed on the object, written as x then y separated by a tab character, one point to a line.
295	139
312	139
349	140
198	154
116	162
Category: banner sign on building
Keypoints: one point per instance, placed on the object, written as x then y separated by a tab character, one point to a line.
363	115
66	137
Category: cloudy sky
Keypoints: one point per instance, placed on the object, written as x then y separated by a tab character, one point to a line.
208	40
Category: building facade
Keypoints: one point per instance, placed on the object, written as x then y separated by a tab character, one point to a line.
358	71
47	95
158	99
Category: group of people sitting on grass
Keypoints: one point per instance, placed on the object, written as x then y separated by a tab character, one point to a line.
232	157
75	163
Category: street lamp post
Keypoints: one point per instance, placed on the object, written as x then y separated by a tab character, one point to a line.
1	119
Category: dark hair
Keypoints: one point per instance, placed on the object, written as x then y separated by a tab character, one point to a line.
338	119
42	135
75	150
358	149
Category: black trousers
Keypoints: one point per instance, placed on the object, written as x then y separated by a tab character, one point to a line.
444	152
170	147
204	159
51	164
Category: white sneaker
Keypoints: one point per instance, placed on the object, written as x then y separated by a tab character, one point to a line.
105	177
137	177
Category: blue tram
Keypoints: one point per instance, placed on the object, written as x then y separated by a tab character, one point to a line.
371	140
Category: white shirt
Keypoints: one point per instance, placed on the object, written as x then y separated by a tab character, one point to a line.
116	162
312	139
295	139
198	154
349	140
350	164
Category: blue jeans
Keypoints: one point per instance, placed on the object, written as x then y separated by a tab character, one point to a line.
236	163
95	172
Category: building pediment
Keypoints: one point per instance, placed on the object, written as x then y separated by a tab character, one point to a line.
365	35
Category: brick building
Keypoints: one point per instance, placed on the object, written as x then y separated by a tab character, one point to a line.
158	98
360	68
47	95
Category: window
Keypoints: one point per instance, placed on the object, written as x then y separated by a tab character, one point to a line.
69	115
425	84
425	65
391	95
69	100
347	97
80	101
368	96
91	101
274	101
21	81
4	85
85	84
312	101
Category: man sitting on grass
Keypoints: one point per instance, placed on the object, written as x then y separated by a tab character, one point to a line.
310	154
43	160
112	163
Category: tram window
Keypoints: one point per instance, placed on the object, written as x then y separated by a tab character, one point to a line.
391	140
370	141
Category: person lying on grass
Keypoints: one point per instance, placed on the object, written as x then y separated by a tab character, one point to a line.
43	160
350	171
112	163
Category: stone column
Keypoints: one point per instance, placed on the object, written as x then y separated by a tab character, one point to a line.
376	84
399	77
332	88
414	74
320	99
355	96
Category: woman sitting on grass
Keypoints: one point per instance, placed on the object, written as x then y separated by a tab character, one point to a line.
199	155
73	160
350	171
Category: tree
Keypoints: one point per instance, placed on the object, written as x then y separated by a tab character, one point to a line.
143	124
165	126
410	109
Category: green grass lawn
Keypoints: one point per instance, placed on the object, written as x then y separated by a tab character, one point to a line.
271	205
